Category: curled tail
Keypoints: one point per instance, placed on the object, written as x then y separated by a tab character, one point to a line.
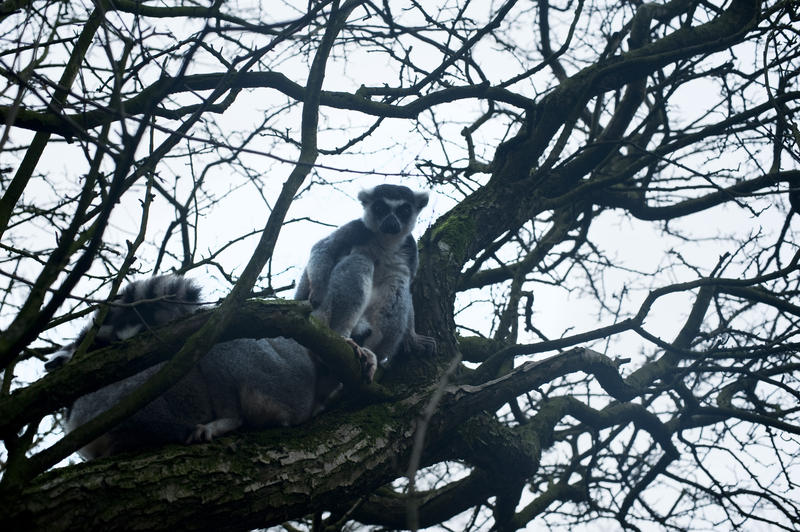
141	305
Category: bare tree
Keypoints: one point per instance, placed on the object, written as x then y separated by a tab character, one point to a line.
611	277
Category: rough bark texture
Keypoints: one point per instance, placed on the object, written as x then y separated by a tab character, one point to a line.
338	458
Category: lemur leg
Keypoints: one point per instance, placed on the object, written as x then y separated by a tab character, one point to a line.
349	290
347	297
262	410
390	314
361	331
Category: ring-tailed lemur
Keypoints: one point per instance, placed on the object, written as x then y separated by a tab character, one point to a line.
243	382
358	279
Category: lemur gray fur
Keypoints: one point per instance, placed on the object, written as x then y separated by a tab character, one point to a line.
243	382
358	279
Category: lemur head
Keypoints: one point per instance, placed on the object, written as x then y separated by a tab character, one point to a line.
391	209
145	304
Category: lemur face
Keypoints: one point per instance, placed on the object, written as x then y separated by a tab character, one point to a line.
392	209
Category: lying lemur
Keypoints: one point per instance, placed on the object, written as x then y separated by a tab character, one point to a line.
358	281
243	382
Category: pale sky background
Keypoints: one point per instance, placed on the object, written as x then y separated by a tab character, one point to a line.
638	246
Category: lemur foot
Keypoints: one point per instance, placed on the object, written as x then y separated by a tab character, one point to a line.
207	432
201	433
368	359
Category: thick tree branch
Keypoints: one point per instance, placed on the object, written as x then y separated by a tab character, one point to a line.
76	123
388	509
252	319
508	201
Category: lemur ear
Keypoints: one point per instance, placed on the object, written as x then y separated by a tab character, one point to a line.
420	199
365	196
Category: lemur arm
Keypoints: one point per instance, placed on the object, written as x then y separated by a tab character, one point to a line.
325	254
412	254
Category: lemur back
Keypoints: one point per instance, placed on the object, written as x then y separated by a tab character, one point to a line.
358	279
245	382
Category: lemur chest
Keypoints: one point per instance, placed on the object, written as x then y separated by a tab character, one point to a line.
390	286
391	275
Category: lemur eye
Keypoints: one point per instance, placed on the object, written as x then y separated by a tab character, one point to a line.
379	208
404	211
